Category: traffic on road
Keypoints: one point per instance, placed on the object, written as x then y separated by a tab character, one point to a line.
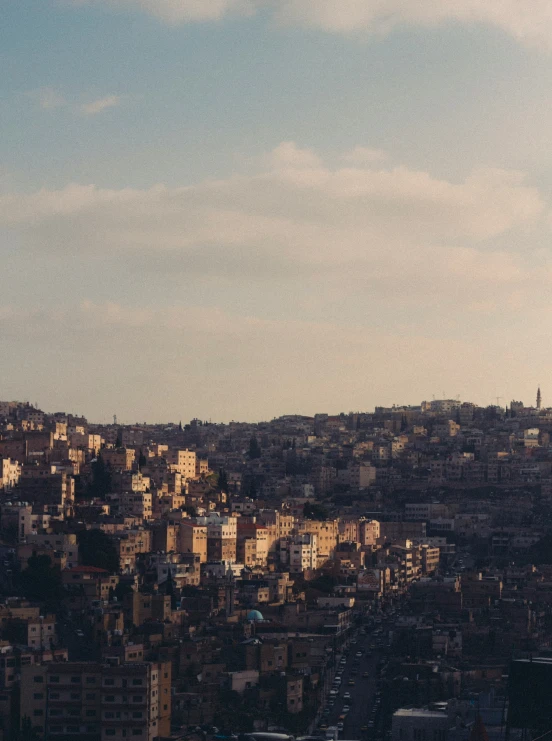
353	703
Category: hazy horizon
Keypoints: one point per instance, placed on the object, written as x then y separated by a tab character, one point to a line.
239	209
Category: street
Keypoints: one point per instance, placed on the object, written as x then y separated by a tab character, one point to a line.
362	691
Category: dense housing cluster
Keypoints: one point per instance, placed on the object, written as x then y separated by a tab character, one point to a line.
371	575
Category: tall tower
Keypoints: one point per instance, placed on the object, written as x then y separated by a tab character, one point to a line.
539	398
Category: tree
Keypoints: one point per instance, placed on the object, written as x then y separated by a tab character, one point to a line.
189	509
97	549
315	512
142	460
254	448
41	582
222	481
119	440
100	485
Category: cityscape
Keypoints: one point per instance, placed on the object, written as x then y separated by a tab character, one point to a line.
376	576
276	429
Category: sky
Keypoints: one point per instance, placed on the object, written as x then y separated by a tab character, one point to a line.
237	209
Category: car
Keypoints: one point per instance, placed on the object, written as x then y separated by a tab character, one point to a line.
358	654
347	696
323	727
341	717
339	672
346	709
340	726
364	728
351	683
366	675
79	633
370	724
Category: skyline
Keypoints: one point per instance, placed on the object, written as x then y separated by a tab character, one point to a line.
116	420
244	209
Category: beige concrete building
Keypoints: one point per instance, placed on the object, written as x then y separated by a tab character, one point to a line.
326	535
10	473
119	458
193	539
369	532
183	461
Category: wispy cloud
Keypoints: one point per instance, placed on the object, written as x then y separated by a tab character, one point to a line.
48	98
527	22
100	105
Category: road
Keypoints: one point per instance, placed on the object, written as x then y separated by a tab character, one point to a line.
362	692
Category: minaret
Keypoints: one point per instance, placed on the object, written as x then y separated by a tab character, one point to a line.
538	398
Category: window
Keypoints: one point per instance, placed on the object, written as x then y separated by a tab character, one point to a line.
109	681
56	729
90	680
137	714
55	711
136	682
110	698
109	731
136	731
38	695
38	713
137	698
38	679
90	713
75	695
73	729
90	696
54	695
75	680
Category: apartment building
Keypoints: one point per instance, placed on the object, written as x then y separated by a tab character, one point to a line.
98	702
221	536
258	535
183	461
326	536
369	532
299	552
193	539
10	473
121	459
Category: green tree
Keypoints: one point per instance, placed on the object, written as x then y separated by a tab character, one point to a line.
315	512
100	484
142	460
254	448
222	481
97	549
41	582
190	509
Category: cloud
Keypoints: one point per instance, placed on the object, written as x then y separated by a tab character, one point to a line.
381	235
181	11
296	204
100	105
364	156
49	98
529	22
